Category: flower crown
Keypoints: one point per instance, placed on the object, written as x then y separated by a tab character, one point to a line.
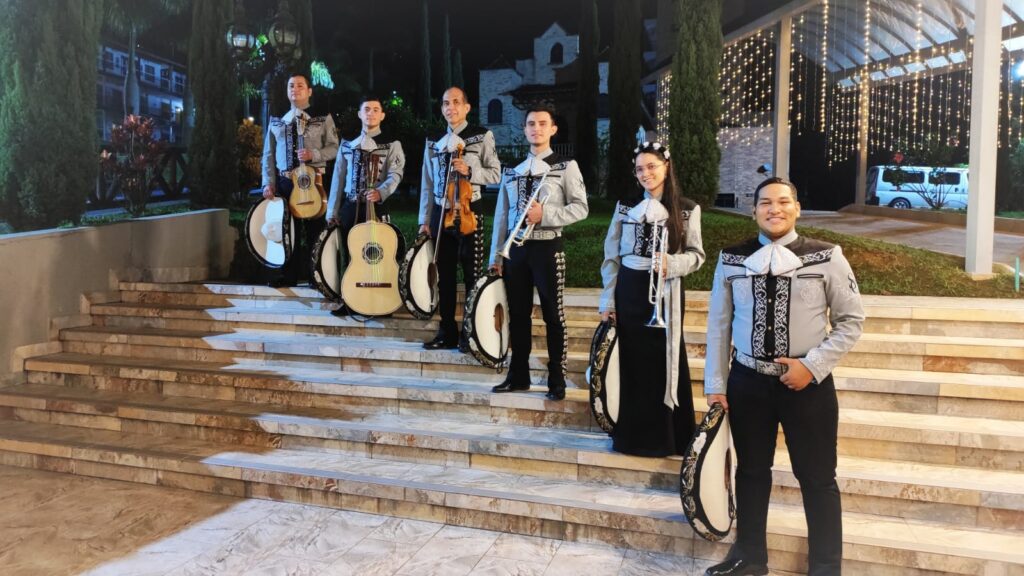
651	148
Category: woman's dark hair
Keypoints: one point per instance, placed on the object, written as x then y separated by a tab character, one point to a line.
671	197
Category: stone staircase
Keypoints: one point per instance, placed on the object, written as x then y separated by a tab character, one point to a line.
258	392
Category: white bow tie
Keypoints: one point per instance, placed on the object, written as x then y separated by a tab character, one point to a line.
777	259
450	143
532	166
649	210
365	142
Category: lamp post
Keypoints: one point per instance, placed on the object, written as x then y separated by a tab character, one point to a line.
283	47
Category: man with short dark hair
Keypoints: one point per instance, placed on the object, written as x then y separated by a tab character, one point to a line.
373	152
772	300
561	199
481	166
282	154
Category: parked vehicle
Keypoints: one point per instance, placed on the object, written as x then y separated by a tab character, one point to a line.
918	187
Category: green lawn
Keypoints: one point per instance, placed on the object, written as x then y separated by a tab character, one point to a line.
881	268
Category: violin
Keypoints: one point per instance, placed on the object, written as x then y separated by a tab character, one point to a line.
459	193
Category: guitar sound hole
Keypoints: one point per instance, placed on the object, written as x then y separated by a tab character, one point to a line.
305	181
372	253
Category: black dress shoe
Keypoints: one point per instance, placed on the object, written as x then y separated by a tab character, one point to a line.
736	568
511	385
441	342
341	312
281	283
556	394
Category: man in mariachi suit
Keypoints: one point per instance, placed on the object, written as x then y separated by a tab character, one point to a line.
540	261
281	155
481	166
373	151
773	298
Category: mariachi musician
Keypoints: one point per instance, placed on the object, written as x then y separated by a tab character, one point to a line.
656	226
784	310
545	193
372	152
281	155
479	163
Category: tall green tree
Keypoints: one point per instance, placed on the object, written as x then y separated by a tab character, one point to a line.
426	101
589	90
446	54
132	18
625	94
458	77
695	99
48	151
212	155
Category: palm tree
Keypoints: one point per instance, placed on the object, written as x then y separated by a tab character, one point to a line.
133	18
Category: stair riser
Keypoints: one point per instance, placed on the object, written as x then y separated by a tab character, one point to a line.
477	512
186	348
878	497
879	321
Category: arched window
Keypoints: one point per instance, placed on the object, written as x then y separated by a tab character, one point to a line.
556	54
494	112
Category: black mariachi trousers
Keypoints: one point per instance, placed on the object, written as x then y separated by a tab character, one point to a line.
810	421
306	233
455	249
540	264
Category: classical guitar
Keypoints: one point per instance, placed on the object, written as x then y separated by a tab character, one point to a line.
308	198
370	284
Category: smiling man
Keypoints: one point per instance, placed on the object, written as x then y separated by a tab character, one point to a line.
480	165
772	301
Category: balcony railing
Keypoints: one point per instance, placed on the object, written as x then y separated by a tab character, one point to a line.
168	182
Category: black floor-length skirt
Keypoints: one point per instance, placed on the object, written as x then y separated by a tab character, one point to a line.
646	426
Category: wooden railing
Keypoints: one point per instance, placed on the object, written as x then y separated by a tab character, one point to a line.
170	179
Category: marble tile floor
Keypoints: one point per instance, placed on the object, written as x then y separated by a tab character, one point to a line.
53	524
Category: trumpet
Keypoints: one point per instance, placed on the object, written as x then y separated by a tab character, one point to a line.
656	285
521	232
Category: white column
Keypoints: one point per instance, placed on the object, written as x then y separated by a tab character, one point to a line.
863	125
780	160
981	203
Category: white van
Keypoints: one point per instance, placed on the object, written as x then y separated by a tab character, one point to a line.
947	184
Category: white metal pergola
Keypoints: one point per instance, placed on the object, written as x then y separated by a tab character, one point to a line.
899	28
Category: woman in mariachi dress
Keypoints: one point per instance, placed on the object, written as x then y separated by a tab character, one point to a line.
656	415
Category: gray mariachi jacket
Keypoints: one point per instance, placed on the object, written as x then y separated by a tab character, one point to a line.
354	157
776	299
566	204
629	242
281	142
479	154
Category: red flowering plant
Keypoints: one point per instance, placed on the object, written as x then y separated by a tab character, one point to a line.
133	156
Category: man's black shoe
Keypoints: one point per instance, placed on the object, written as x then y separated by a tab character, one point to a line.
441	342
341	312
511	385
463	344
736	568
556	394
281	283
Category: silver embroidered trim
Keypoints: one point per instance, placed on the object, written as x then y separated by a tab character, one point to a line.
782	294
560	289
816	257
760	315
733	259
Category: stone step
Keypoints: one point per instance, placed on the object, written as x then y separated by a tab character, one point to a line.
998	357
907	490
636	518
944	440
977	317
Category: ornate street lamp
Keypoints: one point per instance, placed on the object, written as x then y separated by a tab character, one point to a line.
284	34
240	36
